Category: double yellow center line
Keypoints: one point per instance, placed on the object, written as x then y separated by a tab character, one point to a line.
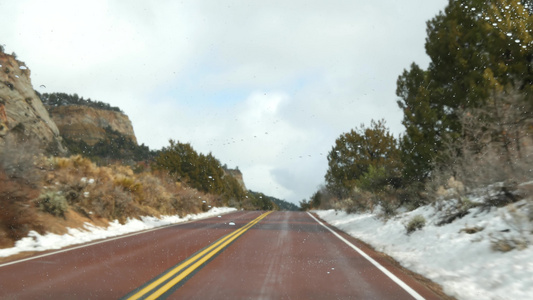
172	277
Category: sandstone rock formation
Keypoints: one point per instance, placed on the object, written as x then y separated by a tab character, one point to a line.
23	117
237	174
83	123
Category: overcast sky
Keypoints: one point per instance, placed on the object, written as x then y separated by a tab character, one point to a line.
264	85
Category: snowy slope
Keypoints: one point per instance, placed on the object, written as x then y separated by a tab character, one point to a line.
464	264
37	242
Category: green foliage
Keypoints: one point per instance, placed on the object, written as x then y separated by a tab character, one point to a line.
261	201
179	160
53	202
202	172
61	99
373	180
415	223
305	205
358	152
275	203
476	48
115	146
316	199
283	205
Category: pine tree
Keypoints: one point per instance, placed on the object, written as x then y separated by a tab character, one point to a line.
477	48
356	152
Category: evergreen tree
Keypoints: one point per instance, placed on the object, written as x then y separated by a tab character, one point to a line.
355	152
477	48
180	160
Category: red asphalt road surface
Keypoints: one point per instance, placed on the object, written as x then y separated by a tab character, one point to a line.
287	255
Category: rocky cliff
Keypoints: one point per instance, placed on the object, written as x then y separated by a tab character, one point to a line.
237	174
83	123
23	116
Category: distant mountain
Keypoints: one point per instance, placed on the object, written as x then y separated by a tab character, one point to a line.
284	205
281	204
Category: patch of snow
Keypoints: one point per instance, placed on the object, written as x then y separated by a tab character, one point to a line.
465	265
50	241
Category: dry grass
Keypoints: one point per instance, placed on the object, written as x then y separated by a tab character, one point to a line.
415	223
87	191
19	185
17	212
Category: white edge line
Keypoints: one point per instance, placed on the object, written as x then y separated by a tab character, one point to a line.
104	240
402	284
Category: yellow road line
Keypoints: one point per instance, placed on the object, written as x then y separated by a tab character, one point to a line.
189	270
208	252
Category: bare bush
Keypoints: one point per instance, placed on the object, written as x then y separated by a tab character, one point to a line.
53	203
17	159
495	146
517	218
19	184
17	214
415	223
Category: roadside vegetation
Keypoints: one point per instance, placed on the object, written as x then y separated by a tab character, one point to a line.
468	120
40	191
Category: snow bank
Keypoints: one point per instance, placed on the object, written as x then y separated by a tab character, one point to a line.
464	264
36	242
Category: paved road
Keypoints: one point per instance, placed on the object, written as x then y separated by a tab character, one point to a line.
279	255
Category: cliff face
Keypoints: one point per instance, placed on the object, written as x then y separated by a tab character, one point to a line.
237	174
83	123
23	116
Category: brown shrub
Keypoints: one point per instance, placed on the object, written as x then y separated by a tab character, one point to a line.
17	214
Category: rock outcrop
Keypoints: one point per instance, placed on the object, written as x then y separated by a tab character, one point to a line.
23	116
237	174
83	123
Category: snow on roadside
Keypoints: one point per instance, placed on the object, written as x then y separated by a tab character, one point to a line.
50	241
464	264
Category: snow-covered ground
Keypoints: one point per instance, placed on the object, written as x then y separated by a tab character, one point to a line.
49	241
465	264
